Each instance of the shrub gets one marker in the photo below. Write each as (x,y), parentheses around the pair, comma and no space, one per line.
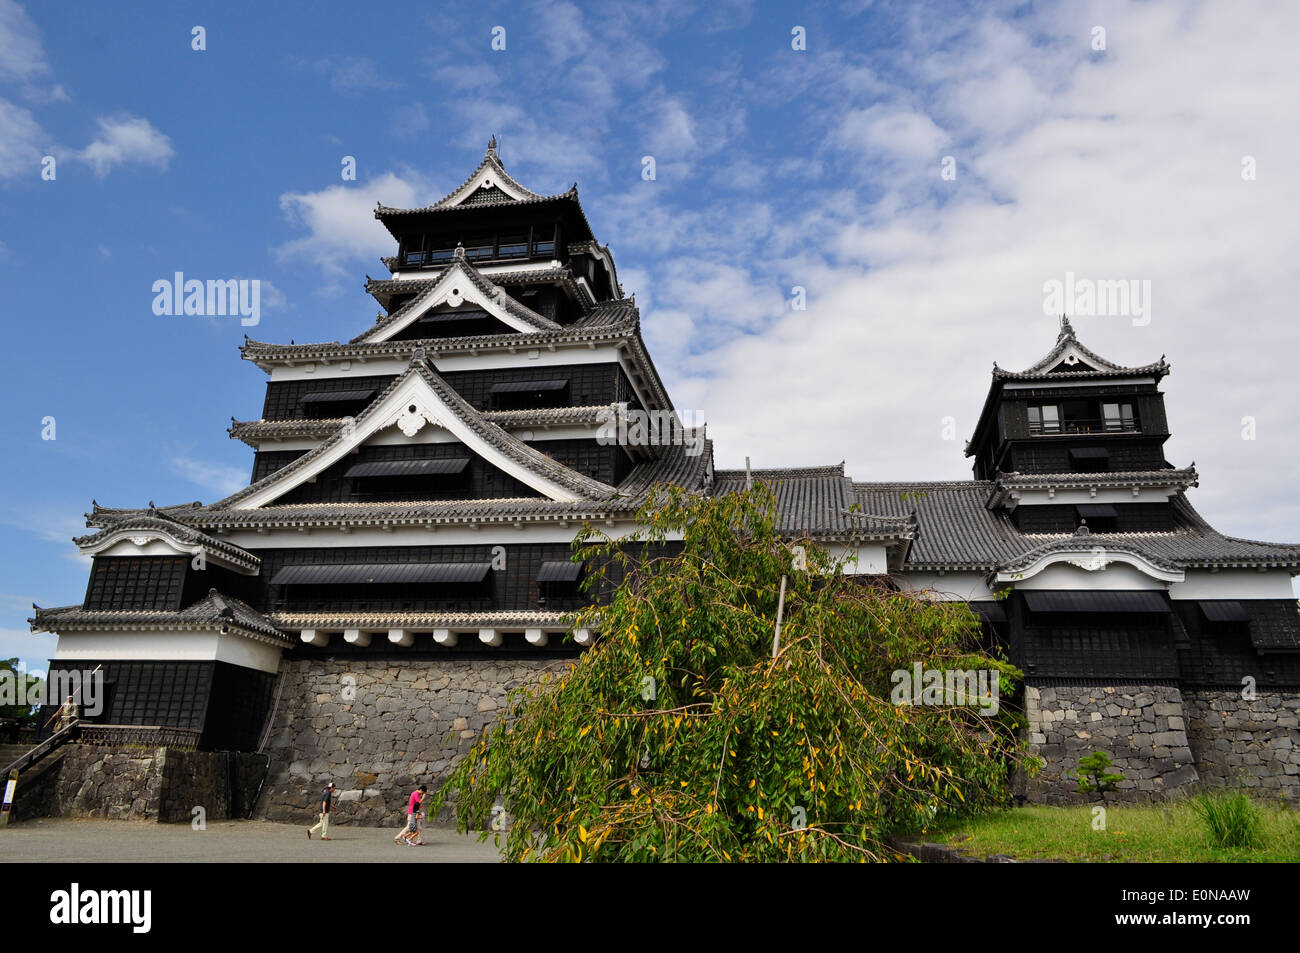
(1095,775)
(678,736)
(1231,818)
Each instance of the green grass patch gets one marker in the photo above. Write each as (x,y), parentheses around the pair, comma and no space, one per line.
(1176,831)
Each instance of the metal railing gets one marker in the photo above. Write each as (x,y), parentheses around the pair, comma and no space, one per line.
(52,743)
(1088,425)
(155,736)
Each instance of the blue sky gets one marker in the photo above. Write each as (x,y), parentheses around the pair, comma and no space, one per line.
(775,167)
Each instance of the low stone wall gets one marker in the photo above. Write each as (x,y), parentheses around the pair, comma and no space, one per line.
(111,782)
(1252,744)
(378,729)
(1142,727)
(163,784)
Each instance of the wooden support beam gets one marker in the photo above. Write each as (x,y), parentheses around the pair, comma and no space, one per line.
(489,637)
(356,637)
(401,637)
(313,637)
(445,637)
(536,637)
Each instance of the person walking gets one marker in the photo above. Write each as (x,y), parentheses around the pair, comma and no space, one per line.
(413,814)
(323,825)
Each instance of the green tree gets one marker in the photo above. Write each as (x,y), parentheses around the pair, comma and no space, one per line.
(24,715)
(1095,775)
(679,737)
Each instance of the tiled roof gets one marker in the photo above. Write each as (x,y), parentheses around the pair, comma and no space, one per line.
(673,464)
(456,200)
(382,289)
(1065,342)
(152,521)
(819,502)
(957,531)
(528,316)
(612,321)
(253,432)
(499,619)
(490,159)
(1184,477)
(510,446)
(1007,483)
(1135,543)
(211,612)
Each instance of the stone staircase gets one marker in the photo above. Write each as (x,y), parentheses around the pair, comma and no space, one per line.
(11,753)
(34,795)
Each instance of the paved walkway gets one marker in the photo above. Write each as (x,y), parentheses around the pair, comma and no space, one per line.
(77,840)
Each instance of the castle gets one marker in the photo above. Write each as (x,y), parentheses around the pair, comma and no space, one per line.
(401,559)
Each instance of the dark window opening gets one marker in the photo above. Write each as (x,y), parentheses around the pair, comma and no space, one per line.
(435,251)
(1089,459)
(1098,517)
(513,246)
(1081,416)
(480,248)
(527,395)
(325,405)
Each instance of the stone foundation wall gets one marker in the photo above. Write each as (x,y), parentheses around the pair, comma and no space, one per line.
(1142,728)
(378,729)
(163,784)
(1251,744)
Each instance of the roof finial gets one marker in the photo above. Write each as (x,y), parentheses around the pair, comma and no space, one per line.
(459,253)
(492,143)
(1066,329)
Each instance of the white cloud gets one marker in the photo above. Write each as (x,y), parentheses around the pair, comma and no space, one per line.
(22,143)
(216,477)
(350,74)
(22,57)
(891,132)
(34,648)
(1124,165)
(124,139)
(341,228)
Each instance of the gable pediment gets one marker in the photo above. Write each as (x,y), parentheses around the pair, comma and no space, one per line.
(417,400)
(461,287)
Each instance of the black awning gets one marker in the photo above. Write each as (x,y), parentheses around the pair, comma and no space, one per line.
(559,571)
(378,574)
(1224,611)
(404,468)
(1090,510)
(332,396)
(991,612)
(1089,453)
(438,317)
(1089,600)
(509,387)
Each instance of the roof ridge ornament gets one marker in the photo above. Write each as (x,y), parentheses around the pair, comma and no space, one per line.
(492,145)
(1067,330)
(459,253)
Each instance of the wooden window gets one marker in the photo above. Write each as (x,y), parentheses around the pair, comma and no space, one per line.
(513,246)
(1118,417)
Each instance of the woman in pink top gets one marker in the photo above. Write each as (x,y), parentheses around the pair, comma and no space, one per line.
(413,815)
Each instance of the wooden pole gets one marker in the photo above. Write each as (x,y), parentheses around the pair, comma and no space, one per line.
(780,610)
(10,787)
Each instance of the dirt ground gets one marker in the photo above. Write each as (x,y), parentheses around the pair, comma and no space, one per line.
(91,840)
